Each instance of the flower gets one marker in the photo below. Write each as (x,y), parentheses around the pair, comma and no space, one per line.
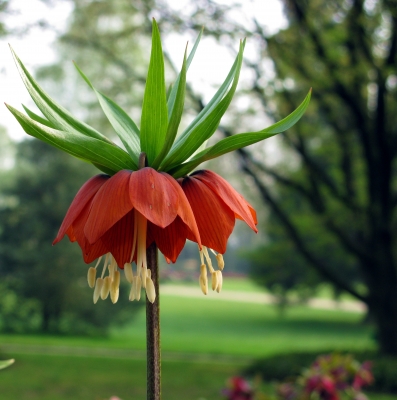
(216,205)
(121,216)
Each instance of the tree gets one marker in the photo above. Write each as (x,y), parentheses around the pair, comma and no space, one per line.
(345,147)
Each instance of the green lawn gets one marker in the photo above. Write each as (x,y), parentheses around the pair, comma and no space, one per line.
(205,325)
(195,326)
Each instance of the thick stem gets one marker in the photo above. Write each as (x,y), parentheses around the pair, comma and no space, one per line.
(153,330)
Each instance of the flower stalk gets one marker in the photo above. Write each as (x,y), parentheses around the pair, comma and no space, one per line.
(153,330)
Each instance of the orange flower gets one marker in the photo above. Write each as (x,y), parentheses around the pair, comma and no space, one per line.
(215,205)
(120,216)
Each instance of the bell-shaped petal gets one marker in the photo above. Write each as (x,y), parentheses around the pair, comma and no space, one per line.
(171,239)
(83,196)
(76,233)
(110,204)
(230,196)
(214,218)
(184,210)
(154,196)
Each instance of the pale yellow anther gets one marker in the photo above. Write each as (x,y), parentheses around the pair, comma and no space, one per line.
(131,297)
(105,288)
(221,262)
(98,288)
(150,290)
(114,287)
(128,272)
(138,286)
(214,280)
(203,283)
(143,277)
(203,270)
(149,273)
(91,277)
(220,281)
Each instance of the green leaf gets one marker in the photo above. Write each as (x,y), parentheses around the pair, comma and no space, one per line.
(206,124)
(6,363)
(38,118)
(241,140)
(175,117)
(86,148)
(58,116)
(175,87)
(154,118)
(124,126)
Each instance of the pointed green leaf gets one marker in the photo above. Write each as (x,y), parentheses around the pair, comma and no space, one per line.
(124,126)
(154,118)
(205,127)
(86,148)
(6,363)
(38,118)
(56,114)
(175,117)
(174,89)
(241,140)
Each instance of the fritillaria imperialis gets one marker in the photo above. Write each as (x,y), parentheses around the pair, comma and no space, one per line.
(145,195)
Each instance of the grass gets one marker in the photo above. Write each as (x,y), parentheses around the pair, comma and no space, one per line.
(189,325)
(79,378)
(204,325)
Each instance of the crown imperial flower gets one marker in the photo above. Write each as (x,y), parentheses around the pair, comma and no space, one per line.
(146,195)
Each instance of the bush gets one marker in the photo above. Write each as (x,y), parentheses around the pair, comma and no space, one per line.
(285,366)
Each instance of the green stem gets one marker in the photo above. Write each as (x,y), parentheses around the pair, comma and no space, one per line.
(153,330)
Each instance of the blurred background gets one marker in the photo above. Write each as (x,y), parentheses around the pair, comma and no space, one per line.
(320,276)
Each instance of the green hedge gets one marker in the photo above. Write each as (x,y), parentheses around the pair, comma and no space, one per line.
(285,366)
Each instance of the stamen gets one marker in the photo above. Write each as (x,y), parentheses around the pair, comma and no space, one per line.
(105,264)
(91,275)
(214,280)
(201,255)
(221,262)
(138,285)
(97,263)
(98,288)
(128,272)
(114,287)
(203,279)
(208,259)
(150,290)
(132,296)
(112,267)
(105,288)
(220,281)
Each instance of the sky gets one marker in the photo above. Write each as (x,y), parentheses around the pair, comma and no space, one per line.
(38,48)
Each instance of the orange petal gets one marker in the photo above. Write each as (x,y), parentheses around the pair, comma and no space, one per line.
(215,220)
(109,205)
(230,196)
(119,239)
(154,196)
(184,209)
(171,239)
(83,196)
(76,233)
